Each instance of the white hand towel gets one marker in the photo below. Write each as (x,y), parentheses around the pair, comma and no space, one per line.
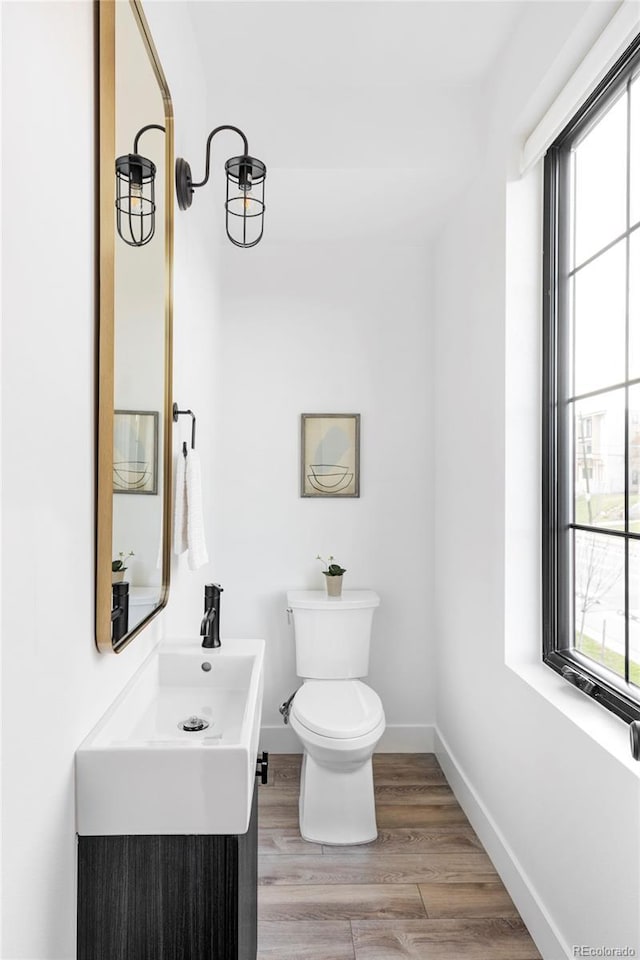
(197,547)
(180,541)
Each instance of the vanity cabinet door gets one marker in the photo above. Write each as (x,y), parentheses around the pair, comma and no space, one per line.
(168,897)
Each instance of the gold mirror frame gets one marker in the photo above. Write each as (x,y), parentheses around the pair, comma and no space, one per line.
(106,21)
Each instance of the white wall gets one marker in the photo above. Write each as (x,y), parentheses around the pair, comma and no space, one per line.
(545,775)
(327,328)
(55,684)
(197,315)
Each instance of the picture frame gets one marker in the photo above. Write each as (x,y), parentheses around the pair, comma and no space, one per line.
(330,455)
(135,452)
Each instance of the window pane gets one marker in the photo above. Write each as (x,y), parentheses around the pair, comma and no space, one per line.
(634,612)
(599,463)
(599,335)
(599,599)
(601,183)
(634,305)
(635,150)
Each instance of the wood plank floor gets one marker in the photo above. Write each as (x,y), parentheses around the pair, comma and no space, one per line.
(424,890)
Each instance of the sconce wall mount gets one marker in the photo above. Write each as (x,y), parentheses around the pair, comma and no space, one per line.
(135,192)
(244,204)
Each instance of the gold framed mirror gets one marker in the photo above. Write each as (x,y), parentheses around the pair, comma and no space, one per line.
(133,507)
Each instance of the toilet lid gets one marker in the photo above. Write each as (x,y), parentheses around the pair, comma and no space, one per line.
(340,709)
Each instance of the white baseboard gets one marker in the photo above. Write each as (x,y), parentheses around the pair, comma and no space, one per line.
(403,738)
(397,738)
(531,908)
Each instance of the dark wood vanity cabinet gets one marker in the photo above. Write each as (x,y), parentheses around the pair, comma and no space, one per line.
(168,897)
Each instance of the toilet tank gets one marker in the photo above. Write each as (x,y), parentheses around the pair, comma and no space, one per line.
(332,634)
(142,602)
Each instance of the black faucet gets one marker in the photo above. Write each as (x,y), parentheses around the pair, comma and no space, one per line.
(210,626)
(120,610)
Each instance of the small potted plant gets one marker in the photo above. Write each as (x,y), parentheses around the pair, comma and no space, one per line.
(119,566)
(333,575)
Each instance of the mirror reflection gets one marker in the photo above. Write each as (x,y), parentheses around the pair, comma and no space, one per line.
(136,491)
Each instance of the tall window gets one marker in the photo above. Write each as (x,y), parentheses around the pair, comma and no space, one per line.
(591,442)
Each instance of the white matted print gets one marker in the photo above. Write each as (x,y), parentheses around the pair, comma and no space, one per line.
(330,455)
(135,451)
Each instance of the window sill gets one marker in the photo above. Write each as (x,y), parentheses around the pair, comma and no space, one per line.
(600,725)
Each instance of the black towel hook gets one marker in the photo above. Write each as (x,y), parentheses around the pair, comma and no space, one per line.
(179,413)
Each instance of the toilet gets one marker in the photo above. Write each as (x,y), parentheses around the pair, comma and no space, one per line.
(338,718)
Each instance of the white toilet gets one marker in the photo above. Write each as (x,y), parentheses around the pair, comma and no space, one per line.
(338,718)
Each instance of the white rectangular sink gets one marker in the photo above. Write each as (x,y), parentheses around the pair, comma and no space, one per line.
(139,772)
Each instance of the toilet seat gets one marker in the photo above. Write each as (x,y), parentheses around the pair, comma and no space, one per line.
(338,709)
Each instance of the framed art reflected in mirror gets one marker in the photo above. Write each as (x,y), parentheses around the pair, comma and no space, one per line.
(135,452)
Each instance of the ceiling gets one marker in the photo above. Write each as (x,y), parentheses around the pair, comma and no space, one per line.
(369,115)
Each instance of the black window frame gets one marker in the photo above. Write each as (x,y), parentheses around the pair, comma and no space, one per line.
(557,586)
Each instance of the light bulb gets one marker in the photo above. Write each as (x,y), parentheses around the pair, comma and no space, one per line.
(136,197)
(245,187)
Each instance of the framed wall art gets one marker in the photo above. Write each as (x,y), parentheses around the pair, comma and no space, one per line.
(135,451)
(330,455)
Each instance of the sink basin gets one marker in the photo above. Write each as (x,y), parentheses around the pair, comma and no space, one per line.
(140,772)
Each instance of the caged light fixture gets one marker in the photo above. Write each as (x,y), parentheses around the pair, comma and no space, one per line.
(244,203)
(135,194)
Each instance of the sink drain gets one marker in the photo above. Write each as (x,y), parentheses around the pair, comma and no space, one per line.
(193,724)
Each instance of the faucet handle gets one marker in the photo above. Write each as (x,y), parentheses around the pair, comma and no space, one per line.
(211,592)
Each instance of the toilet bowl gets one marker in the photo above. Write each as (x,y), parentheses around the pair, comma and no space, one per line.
(339,723)
(338,718)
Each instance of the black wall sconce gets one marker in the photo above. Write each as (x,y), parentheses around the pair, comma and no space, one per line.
(135,194)
(245,191)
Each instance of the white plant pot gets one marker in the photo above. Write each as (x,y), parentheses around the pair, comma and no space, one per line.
(334,586)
